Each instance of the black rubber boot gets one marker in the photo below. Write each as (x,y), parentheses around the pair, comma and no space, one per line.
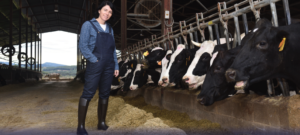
(82,109)
(102,109)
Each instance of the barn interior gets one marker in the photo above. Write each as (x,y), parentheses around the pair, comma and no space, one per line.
(38,106)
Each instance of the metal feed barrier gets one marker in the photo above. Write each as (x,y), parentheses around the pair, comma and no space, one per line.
(166,41)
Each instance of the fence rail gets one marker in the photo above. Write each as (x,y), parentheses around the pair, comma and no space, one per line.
(187,29)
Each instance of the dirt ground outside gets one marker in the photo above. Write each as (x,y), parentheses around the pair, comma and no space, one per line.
(49,107)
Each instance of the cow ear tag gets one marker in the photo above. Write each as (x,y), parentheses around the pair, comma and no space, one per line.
(159,63)
(146,53)
(132,65)
(281,45)
(119,79)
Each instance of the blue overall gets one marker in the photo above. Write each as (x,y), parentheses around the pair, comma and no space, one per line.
(100,73)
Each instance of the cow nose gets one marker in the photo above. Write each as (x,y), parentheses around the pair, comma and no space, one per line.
(131,88)
(164,80)
(230,75)
(186,80)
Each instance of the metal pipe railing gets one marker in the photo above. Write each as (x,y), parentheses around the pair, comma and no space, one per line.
(225,17)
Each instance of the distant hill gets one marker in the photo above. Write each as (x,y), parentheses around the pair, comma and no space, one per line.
(49,64)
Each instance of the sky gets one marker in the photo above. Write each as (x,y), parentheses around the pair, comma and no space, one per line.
(57,47)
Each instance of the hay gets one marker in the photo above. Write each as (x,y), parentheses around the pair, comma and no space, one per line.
(174,118)
(156,126)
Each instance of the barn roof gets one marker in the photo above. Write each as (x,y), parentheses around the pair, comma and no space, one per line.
(42,18)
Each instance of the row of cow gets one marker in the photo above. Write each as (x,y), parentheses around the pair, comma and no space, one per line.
(266,52)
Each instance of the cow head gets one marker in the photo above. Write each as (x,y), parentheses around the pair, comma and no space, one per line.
(155,56)
(179,63)
(195,74)
(166,76)
(126,68)
(164,63)
(139,77)
(127,82)
(215,87)
(260,57)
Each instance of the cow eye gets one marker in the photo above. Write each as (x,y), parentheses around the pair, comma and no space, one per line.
(218,69)
(262,45)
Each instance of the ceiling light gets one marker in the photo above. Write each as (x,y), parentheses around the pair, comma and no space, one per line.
(56,8)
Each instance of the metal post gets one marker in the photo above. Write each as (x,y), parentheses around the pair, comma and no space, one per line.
(287,12)
(180,40)
(217,33)
(211,36)
(41,54)
(237,27)
(196,36)
(224,22)
(35,59)
(123,24)
(26,48)
(10,37)
(274,14)
(20,29)
(38,56)
(31,45)
(191,38)
(245,21)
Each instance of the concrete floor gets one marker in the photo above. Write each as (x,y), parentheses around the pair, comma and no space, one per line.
(43,107)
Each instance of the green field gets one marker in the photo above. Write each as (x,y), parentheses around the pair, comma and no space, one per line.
(64,71)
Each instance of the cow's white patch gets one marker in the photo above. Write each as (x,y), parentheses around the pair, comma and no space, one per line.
(128,71)
(194,80)
(213,58)
(113,87)
(156,48)
(164,64)
(222,41)
(179,49)
(158,70)
(255,29)
(149,80)
(119,60)
(135,86)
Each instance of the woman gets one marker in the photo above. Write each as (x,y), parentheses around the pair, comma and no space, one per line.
(98,47)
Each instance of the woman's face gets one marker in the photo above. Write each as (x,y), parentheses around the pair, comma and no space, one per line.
(105,13)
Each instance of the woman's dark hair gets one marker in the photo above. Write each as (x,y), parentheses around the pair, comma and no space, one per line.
(104,3)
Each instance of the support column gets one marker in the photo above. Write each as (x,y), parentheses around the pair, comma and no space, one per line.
(41,54)
(10,37)
(31,45)
(35,59)
(38,56)
(167,6)
(26,48)
(123,24)
(20,29)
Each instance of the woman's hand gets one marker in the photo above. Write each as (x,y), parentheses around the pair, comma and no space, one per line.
(116,73)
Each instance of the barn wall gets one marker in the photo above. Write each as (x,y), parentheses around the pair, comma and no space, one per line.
(239,113)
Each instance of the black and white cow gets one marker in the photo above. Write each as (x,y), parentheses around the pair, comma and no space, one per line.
(127,67)
(178,65)
(195,74)
(117,82)
(127,82)
(271,53)
(154,57)
(164,64)
(144,76)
